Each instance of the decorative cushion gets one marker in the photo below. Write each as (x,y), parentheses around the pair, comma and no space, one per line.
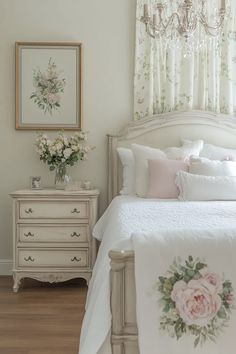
(162,174)
(184,152)
(127,159)
(195,187)
(206,167)
(142,154)
(214,152)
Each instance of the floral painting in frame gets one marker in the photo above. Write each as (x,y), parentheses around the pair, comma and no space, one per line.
(48,86)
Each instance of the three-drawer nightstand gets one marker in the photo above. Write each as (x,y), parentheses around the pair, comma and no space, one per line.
(52,234)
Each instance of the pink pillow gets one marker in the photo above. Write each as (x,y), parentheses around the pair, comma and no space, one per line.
(162,174)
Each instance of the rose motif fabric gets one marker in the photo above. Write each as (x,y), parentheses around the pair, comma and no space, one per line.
(185,289)
(195,300)
(166,80)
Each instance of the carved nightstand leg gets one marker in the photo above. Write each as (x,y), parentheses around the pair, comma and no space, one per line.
(88,278)
(17,281)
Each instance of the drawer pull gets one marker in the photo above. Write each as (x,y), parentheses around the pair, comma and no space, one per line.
(29,259)
(75,259)
(75,211)
(29,211)
(29,234)
(74,234)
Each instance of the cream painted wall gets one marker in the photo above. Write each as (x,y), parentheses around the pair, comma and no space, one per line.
(106,29)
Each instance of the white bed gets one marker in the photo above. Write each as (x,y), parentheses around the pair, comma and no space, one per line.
(111,326)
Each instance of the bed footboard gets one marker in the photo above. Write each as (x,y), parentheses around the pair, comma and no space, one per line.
(124,333)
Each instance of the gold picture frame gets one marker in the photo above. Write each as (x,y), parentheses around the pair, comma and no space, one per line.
(48,86)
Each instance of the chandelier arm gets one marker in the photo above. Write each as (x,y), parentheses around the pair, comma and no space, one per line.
(183,23)
(149,32)
(171,19)
(209,28)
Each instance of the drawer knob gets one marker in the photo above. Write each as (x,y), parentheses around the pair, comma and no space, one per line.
(74,234)
(75,259)
(29,234)
(29,211)
(29,259)
(75,211)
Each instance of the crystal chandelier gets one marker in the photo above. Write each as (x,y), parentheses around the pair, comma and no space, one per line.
(188,24)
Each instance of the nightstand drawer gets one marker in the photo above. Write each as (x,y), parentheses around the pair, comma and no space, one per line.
(53,210)
(53,233)
(35,258)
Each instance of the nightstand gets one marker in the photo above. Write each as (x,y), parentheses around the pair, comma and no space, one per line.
(52,234)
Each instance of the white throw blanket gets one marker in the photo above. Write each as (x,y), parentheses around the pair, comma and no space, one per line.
(185,282)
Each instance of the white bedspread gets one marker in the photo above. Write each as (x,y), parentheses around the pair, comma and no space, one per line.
(185,283)
(128,215)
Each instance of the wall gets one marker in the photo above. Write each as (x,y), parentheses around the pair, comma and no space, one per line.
(106,29)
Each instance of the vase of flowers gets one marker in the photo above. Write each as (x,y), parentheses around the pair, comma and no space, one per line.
(62,152)
(61,177)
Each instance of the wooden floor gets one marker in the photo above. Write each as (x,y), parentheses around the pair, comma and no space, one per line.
(41,318)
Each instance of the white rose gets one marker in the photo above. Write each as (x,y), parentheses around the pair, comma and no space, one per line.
(59,146)
(67,153)
(65,140)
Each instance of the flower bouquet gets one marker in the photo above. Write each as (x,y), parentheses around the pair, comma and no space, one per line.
(62,152)
(195,301)
(48,88)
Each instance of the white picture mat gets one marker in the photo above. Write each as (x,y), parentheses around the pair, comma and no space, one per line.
(38,57)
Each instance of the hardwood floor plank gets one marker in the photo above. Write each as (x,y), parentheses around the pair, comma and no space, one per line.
(41,318)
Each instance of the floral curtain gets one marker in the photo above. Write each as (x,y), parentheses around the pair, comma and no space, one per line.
(166,80)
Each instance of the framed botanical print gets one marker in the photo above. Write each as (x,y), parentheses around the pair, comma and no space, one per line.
(48,86)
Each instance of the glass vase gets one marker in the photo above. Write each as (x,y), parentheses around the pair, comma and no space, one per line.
(61,177)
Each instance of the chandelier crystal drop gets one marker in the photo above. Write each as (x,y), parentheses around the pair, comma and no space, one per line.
(189,26)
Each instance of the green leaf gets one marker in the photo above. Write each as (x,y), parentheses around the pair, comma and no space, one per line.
(196,342)
(178,328)
(200,265)
(52,168)
(222,313)
(166,308)
(162,279)
(186,278)
(190,273)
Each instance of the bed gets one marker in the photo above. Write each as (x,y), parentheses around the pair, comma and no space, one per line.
(116,330)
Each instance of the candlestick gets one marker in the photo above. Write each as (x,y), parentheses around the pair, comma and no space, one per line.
(223,4)
(146,10)
(154,20)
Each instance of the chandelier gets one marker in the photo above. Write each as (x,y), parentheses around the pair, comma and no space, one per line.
(188,23)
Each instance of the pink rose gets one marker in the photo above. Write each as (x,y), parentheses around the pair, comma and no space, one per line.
(230,299)
(53,98)
(214,281)
(195,303)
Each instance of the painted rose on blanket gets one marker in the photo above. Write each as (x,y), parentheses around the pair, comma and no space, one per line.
(194,301)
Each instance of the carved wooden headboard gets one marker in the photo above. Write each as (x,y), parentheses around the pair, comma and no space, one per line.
(166,130)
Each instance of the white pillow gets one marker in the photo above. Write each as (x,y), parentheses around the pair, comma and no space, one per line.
(142,154)
(213,152)
(195,187)
(206,167)
(127,159)
(187,149)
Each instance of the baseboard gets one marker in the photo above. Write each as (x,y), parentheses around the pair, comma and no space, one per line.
(5,267)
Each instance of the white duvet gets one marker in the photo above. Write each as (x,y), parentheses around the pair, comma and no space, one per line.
(129,215)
